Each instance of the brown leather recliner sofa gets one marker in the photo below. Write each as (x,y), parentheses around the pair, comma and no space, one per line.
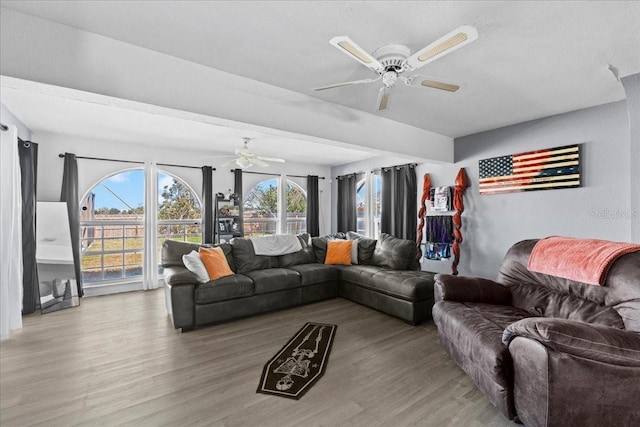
(545,350)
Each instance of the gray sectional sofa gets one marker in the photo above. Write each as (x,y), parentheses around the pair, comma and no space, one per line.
(386,278)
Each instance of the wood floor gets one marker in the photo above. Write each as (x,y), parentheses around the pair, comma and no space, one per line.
(116,360)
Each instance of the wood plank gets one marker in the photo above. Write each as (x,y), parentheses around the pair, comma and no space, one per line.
(117,360)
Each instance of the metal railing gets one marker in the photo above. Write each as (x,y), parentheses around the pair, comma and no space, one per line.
(254,227)
(113,250)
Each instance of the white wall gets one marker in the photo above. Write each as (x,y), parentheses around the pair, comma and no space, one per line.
(8,118)
(90,172)
(43,51)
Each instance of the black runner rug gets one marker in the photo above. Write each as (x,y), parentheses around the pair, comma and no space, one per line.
(300,363)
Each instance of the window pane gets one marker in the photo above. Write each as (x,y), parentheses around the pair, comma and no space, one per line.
(376,183)
(361,203)
(175,199)
(296,209)
(261,209)
(179,213)
(112,228)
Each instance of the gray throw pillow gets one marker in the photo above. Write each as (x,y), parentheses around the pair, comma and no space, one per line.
(391,252)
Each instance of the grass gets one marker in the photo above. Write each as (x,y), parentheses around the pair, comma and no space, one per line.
(92,257)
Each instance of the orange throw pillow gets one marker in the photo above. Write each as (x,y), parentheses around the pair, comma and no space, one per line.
(339,252)
(215,262)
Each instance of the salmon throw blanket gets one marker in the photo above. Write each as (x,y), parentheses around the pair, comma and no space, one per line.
(582,260)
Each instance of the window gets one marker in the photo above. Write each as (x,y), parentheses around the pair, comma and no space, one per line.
(368,206)
(112,218)
(179,213)
(262,214)
(112,228)
(376,205)
(361,206)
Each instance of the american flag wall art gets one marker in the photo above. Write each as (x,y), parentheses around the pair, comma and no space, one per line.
(546,169)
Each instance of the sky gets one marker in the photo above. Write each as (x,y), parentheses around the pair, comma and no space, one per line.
(129,186)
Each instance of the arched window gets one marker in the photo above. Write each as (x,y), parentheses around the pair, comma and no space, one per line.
(262,214)
(112,228)
(179,210)
(112,216)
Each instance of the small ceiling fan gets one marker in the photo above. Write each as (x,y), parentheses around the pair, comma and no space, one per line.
(392,61)
(246,158)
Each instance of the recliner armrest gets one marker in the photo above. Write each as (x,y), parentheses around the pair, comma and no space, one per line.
(585,340)
(470,289)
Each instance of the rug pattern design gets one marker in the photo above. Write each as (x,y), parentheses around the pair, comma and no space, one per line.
(300,363)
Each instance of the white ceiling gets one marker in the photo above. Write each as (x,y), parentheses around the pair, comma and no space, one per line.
(532,59)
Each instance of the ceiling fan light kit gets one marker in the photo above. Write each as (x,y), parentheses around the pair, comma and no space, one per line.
(246,158)
(391,61)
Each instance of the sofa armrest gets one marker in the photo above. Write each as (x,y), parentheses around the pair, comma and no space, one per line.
(176,276)
(594,342)
(181,284)
(470,289)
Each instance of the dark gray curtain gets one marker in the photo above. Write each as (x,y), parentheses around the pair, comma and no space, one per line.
(313,206)
(207,205)
(69,194)
(347,220)
(237,189)
(399,213)
(28,152)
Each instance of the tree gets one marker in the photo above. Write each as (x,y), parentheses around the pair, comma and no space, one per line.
(296,200)
(263,200)
(178,202)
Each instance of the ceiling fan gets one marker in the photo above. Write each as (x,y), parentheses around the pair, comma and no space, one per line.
(392,61)
(246,158)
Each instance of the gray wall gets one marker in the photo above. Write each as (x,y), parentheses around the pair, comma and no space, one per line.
(605,207)
(600,209)
(632,88)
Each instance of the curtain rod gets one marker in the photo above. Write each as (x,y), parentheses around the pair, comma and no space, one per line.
(411,165)
(275,174)
(4,127)
(132,161)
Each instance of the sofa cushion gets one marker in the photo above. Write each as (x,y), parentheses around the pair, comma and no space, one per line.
(274,279)
(215,262)
(303,256)
(311,274)
(225,288)
(410,285)
(471,333)
(320,247)
(172,252)
(359,274)
(246,259)
(393,253)
(550,296)
(338,252)
(194,264)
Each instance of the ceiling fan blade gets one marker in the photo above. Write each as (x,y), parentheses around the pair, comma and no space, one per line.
(257,161)
(449,87)
(349,47)
(229,163)
(459,37)
(384,98)
(270,159)
(355,82)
